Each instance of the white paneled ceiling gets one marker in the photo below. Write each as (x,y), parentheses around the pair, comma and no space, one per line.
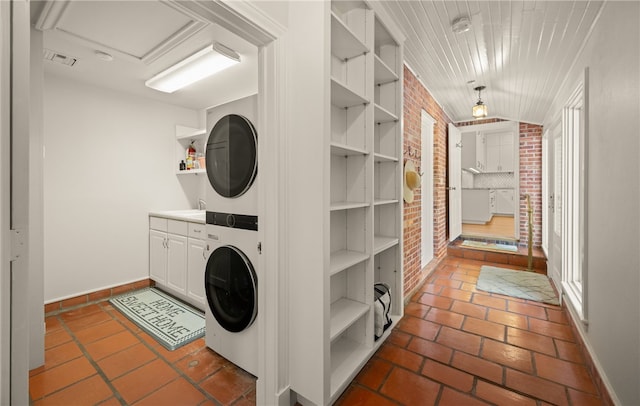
(520,50)
(144,38)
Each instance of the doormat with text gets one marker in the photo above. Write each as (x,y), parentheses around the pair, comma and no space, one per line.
(169,321)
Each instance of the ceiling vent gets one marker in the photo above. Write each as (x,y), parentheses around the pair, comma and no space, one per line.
(53,56)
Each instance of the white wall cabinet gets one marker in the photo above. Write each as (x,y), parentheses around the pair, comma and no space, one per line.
(500,152)
(177,258)
(363,215)
(474,151)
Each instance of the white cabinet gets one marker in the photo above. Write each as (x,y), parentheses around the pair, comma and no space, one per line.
(505,201)
(474,151)
(476,206)
(196,264)
(500,152)
(363,215)
(177,258)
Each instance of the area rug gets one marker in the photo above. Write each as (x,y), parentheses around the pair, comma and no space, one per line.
(169,321)
(489,246)
(521,284)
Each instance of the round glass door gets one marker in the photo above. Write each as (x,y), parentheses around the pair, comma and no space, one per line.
(231,288)
(231,155)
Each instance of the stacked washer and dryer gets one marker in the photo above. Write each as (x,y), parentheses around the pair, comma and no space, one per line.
(231,276)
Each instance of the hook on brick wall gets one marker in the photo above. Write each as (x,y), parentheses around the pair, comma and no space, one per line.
(413,153)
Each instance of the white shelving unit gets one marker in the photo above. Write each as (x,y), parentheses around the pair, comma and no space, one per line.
(364,213)
(184,137)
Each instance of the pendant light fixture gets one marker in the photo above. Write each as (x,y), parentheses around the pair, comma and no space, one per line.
(479,109)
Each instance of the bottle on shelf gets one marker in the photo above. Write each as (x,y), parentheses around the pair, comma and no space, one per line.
(183,165)
(191,155)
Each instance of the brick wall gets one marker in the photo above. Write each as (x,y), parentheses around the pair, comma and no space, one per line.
(416,99)
(530,176)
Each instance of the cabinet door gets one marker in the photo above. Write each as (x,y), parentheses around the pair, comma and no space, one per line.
(506,158)
(196,264)
(158,256)
(481,152)
(504,201)
(493,158)
(177,262)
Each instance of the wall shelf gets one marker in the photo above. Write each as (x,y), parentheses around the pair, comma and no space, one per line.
(344,43)
(342,96)
(341,260)
(380,202)
(345,150)
(191,172)
(382,115)
(382,73)
(344,312)
(382,243)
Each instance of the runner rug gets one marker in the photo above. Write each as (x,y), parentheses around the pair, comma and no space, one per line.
(521,284)
(169,321)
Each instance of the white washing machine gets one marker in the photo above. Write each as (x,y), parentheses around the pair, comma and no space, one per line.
(232,157)
(231,286)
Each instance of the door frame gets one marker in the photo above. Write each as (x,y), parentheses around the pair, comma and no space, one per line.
(426,168)
(455,181)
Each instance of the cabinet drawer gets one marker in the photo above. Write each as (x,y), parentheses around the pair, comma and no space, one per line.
(158,223)
(197,230)
(178,227)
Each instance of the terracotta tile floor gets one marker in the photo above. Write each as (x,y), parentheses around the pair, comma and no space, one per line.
(455,346)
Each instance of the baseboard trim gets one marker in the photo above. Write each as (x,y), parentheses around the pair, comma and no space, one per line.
(94,297)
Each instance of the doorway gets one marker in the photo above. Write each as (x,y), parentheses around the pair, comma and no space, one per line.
(490,181)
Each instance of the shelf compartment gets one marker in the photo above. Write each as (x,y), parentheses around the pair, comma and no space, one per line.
(382,73)
(345,312)
(384,158)
(382,115)
(382,243)
(348,181)
(344,43)
(386,180)
(386,136)
(347,358)
(343,259)
(387,269)
(342,96)
(346,150)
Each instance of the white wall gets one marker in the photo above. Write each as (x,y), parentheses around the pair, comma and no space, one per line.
(109,160)
(612,56)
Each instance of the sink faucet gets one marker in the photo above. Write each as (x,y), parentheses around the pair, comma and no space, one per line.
(202,205)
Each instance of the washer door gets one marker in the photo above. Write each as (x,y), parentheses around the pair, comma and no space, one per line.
(231,155)
(232,288)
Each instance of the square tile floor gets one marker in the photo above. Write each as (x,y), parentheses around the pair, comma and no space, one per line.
(455,346)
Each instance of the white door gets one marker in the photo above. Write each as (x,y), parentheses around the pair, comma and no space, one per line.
(177,263)
(14,202)
(426,167)
(196,264)
(555,201)
(455,182)
(158,256)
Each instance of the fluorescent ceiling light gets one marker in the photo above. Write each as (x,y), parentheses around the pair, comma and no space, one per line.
(204,63)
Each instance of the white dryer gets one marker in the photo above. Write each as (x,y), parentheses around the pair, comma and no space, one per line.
(231,286)
(232,157)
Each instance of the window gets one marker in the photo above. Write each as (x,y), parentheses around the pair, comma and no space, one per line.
(574,268)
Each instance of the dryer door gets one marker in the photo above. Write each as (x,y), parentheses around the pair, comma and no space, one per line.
(231,156)
(232,288)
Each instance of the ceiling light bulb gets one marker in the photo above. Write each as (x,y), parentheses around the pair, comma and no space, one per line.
(204,63)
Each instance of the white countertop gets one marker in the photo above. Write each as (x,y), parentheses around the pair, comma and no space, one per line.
(192,216)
